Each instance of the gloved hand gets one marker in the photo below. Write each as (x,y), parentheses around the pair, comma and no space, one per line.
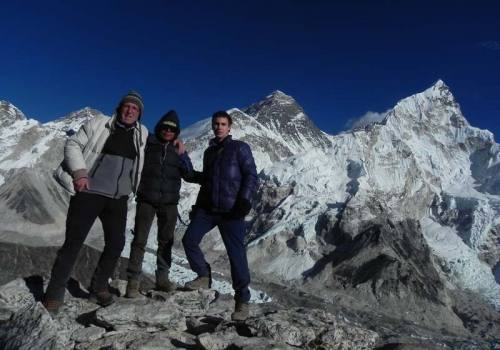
(241,208)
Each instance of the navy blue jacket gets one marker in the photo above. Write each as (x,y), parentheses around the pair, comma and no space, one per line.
(228,173)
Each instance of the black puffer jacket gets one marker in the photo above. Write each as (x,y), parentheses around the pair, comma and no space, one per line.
(162,172)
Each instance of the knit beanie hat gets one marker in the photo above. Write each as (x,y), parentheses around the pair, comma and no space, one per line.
(133,97)
(170,119)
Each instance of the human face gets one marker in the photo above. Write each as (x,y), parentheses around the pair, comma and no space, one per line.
(129,113)
(221,128)
(167,133)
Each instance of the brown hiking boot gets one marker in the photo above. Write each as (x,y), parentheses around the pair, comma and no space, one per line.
(52,306)
(133,289)
(165,285)
(102,297)
(200,282)
(241,311)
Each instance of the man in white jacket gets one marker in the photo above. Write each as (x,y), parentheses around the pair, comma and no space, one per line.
(101,168)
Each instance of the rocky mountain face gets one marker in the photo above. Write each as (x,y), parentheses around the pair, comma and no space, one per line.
(395,225)
(281,114)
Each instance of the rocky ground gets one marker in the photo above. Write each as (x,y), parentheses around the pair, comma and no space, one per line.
(195,320)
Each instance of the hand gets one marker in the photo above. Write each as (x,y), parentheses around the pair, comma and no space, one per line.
(81,184)
(179,146)
(241,208)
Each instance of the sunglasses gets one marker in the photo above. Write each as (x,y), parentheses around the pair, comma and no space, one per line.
(169,128)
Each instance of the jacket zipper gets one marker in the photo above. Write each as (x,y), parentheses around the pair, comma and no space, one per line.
(97,165)
(138,143)
(119,177)
(163,153)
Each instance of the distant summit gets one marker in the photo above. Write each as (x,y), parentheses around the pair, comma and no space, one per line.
(280,113)
(10,113)
(72,122)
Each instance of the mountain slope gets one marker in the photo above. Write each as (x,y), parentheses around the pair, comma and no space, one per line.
(402,215)
(418,164)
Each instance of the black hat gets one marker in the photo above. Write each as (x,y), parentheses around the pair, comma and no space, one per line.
(169,119)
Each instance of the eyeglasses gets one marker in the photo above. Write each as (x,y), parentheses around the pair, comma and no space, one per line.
(169,128)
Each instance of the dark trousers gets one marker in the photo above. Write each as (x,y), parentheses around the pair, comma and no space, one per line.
(166,219)
(83,210)
(233,236)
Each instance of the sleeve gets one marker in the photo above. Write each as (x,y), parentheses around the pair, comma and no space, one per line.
(73,150)
(187,171)
(185,163)
(248,173)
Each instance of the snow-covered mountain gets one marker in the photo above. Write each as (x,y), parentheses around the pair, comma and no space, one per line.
(280,113)
(399,213)
(29,153)
(424,162)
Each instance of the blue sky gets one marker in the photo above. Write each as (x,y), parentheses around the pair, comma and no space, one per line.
(338,59)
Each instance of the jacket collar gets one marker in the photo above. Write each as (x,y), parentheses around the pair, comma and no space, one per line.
(114,122)
(154,139)
(214,142)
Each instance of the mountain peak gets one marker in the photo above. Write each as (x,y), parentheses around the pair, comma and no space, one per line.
(276,103)
(280,113)
(439,91)
(433,111)
(84,113)
(74,120)
(10,113)
(280,97)
(439,84)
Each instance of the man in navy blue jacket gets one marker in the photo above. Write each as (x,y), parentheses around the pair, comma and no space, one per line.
(228,183)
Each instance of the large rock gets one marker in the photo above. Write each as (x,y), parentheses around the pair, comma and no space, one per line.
(32,328)
(311,328)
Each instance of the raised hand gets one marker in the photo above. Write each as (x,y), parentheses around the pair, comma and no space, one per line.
(179,146)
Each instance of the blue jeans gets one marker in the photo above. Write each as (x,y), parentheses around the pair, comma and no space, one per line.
(233,236)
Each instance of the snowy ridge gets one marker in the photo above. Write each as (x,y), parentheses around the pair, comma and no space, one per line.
(10,113)
(422,162)
(73,121)
(419,155)
(24,142)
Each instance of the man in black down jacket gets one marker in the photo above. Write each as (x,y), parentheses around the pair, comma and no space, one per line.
(228,183)
(158,194)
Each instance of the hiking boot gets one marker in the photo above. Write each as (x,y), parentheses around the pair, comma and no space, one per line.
(165,285)
(241,311)
(200,282)
(103,297)
(133,289)
(52,306)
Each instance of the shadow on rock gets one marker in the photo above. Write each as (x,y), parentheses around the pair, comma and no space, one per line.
(76,290)
(181,345)
(90,318)
(208,324)
(35,286)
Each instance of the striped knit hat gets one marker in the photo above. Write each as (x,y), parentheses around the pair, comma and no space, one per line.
(133,97)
